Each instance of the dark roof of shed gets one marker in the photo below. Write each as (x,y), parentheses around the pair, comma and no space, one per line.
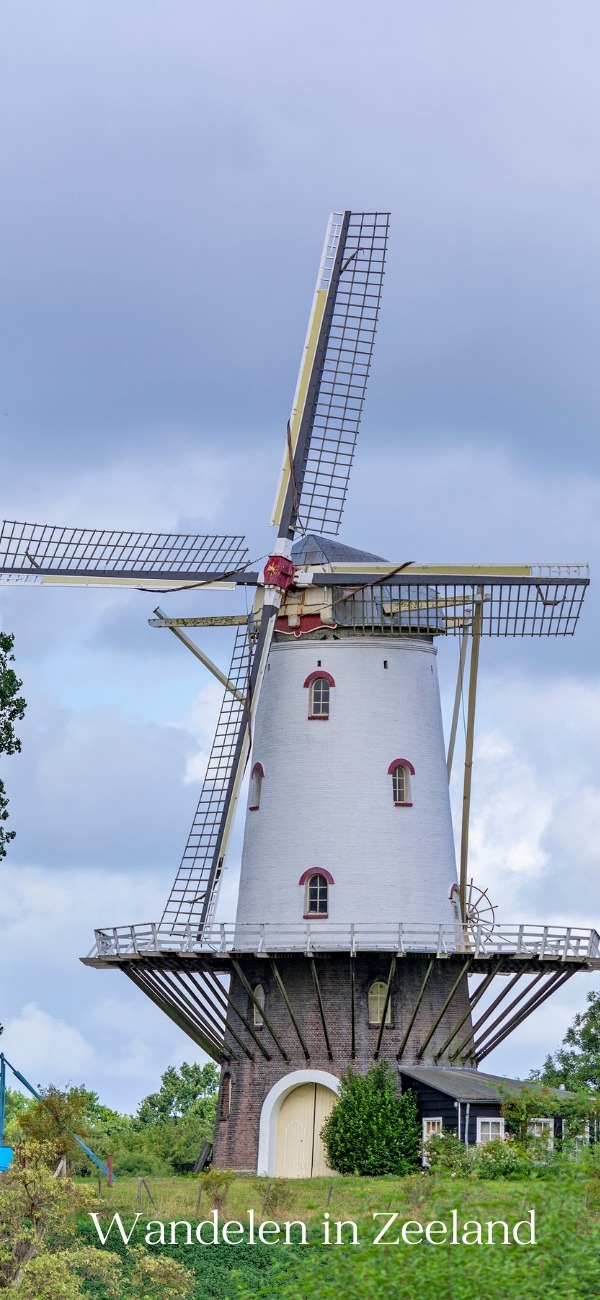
(467,1085)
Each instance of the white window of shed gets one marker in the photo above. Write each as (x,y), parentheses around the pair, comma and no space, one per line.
(488,1130)
(377,1000)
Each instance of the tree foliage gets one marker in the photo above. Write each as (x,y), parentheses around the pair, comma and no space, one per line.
(54,1119)
(12,709)
(191,1089)
(371,1129)
(576,1064)
(39,1254)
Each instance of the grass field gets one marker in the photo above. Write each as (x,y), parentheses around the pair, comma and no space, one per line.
(564,1264)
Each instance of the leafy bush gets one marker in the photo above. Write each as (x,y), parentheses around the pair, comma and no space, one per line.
(372,1130)
(447,1154)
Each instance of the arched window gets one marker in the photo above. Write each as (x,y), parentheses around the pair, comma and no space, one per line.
(256,781)
(401,770)
(319,686)
(377,996)
(316,893)
(259,994)
(226,1096)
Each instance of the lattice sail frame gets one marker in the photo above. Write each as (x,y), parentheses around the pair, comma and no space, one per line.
(46,552)
(335,366)
(195,890)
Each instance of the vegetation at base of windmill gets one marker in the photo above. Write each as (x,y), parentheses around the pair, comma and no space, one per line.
(34,1208)
(576,1064)
(215,1186)
(41,1257)
(577,1111)
(12,709)
(563,1265)
(371,1129)
(54,1119)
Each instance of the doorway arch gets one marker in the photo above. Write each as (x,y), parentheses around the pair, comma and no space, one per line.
(296,1148)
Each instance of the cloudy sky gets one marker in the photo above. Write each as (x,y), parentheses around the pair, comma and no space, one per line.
(168,167)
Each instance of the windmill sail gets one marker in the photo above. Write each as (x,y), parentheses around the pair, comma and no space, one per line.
(333,375)
(195,888)
(45,553)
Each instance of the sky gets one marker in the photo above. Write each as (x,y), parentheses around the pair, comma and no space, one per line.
(168,169)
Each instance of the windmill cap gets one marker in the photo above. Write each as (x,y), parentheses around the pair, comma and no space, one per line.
(324,550)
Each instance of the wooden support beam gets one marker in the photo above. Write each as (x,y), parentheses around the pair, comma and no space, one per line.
(234,1007)
(464,642)
(214,1013)
(182,1022)
(492,1007)
(385,1006)
(160,981)
(322,1009)
(556,980)
(444,1007)
(282,990)
(472,700)
(250,991)
(479,992)
(204,658)
(353,1005)
(506,1011)
(208,620)
(406,1034)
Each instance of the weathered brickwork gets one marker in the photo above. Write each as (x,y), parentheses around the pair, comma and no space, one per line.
(236,1136)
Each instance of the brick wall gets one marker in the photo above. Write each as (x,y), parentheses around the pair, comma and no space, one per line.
(236,1137)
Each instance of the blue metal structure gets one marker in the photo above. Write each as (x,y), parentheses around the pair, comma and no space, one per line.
(4,1160)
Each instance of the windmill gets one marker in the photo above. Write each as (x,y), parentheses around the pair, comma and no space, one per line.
(355,936)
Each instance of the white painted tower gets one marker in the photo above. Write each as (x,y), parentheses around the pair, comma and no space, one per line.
(324,794)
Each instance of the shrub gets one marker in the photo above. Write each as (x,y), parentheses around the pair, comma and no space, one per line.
(372,1130)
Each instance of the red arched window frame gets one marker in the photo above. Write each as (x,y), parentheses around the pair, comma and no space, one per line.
(256,780)
(407,768)
(305,880)
(318,710)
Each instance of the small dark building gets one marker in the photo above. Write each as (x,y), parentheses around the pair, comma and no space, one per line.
(467,1103)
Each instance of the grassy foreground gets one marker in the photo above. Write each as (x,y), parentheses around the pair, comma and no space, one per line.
(563,1265)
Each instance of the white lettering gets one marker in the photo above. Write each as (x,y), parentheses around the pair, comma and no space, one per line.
(412,1227)
(526,1223)
(115,1219)
(326,1227)
(471,1229)
(236,1227)
(251,1241)
(437,1227)
(157,1232)
(497,1223)
(271,1229)
(215,1227)
(378,1214)
(181,1223)
(345,1223)
(295,1223)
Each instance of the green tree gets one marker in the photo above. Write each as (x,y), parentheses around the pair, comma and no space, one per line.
(174,1122)
(39,1252)
(576,1064)
(190,1088)
(54,1119)
(372,1130)
(12,709)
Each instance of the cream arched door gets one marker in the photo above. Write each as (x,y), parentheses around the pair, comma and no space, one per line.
(300,1151)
